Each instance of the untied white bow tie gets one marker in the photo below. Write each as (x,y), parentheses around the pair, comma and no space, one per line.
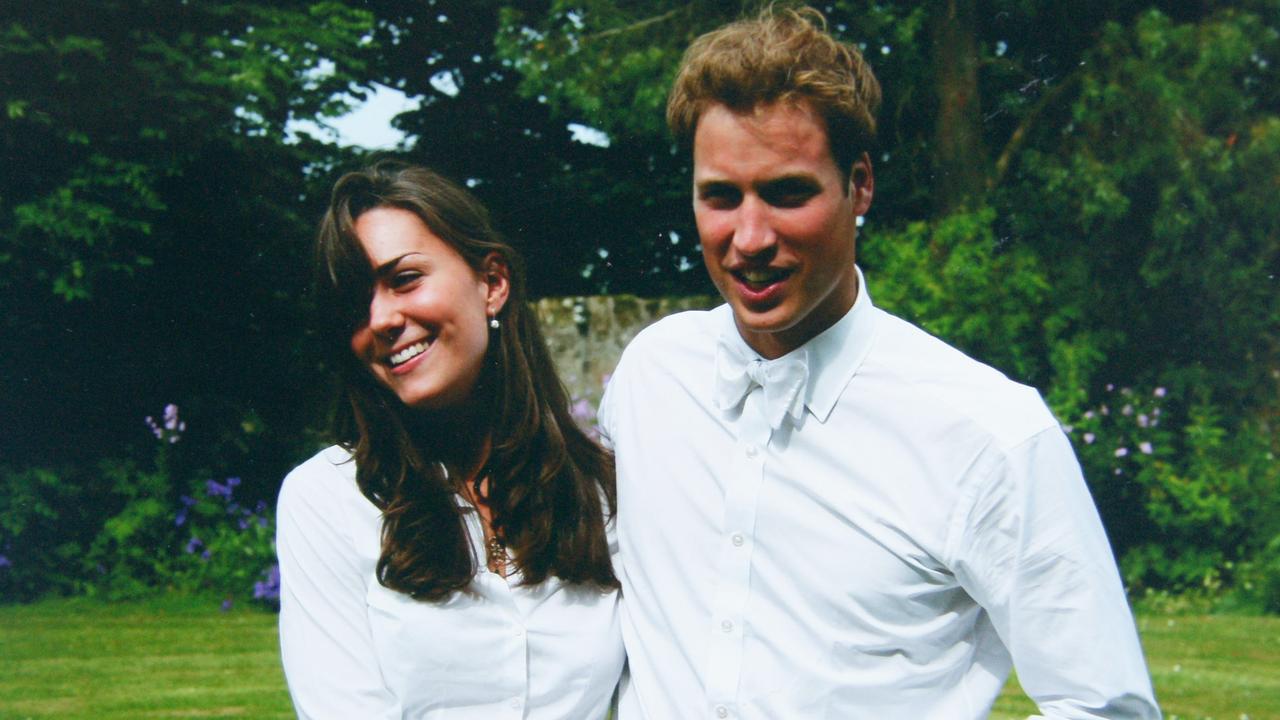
(782,381)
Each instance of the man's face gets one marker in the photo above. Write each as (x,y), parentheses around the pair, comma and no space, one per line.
(777,221)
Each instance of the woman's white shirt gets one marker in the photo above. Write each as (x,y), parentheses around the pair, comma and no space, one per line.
(354,649)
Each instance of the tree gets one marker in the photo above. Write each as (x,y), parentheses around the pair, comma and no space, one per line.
(152,215)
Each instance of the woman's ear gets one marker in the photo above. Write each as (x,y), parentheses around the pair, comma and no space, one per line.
(497,279)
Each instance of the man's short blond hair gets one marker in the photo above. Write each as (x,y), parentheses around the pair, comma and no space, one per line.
(781,55)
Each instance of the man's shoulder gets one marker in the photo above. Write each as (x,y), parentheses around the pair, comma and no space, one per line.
(951,382)
(688,332)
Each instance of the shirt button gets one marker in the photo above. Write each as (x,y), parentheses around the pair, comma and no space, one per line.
(726,625)
(752,451)
(722,711)
(738,540)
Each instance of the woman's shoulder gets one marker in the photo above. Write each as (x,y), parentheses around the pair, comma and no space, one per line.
(329,475)
(328,465)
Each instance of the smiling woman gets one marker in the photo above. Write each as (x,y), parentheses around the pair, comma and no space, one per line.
(451,554)
(428,330)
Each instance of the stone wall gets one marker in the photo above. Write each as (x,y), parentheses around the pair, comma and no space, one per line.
(587,334)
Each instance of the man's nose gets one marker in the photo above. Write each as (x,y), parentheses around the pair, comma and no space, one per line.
(753,233)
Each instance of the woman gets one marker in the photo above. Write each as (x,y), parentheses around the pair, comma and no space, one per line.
(448,557)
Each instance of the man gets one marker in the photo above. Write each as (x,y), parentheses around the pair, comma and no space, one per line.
(824,511)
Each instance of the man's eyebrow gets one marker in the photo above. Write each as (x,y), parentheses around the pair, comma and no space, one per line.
(788,180)
(780,180)
(712,183)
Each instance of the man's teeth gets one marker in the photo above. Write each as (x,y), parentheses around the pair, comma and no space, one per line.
(408,353)
(761,277)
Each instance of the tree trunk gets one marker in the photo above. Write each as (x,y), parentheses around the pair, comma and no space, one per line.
(960,160)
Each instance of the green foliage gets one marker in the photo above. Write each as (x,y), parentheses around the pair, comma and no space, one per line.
(1153,201)
(153,208)
(1187,500)
(46,524)
(134,529)
(132,554)
(107,102)
(228,546)
(1267,568)
(959,281)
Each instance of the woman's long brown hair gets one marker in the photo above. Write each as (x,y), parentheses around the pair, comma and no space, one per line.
(550,484)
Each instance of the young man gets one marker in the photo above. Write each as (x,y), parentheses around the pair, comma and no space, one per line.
(824,511)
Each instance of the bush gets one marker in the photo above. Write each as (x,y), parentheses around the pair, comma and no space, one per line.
(229,548)
(130,529)
(1187,499)
(48,518)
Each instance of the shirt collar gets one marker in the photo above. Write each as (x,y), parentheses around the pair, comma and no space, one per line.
(834,355)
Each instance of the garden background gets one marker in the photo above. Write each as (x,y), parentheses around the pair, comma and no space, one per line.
(1082,194)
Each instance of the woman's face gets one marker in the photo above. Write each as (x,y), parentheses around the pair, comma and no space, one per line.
(427,329)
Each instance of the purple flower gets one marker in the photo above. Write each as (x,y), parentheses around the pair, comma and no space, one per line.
(243,523)
(1145,447)
(1127,410)
(1110,387)
(1089,438)
(181,518)
(1121,452)
(213,488)
(1159,392)
(582,411)
(1143,421)
(263,522)
(171,421)
(269,587)
(226,605)
(205,555)
(194,544)
(172,427)
(5,562)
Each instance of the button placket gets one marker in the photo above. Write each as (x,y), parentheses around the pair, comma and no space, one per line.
(733,569)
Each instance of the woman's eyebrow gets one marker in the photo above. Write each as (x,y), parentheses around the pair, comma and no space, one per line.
(385,268)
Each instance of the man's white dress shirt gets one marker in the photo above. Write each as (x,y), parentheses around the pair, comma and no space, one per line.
(887,552)
(354,649)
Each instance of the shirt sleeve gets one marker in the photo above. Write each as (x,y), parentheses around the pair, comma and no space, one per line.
(1031,550)
(604,414)
(325,641)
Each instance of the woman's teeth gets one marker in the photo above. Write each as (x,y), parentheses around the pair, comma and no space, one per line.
(408,353)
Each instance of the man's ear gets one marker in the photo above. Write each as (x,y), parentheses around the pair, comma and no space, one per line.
(862,184)
(497,279)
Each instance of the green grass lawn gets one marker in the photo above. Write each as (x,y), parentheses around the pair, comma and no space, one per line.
(183,658)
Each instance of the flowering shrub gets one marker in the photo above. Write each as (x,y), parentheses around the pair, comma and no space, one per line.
(228,546)
(1185,500)
(193,535)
